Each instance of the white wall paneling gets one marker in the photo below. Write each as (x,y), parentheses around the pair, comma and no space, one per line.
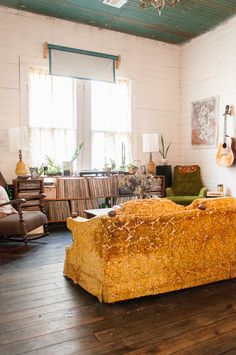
(208,68)
(153,67)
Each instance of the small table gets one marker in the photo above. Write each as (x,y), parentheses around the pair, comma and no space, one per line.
(97,212)
(214,194)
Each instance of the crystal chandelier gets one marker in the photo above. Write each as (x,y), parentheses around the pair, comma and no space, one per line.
(158,4)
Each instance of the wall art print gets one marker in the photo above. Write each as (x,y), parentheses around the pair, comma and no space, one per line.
(205,122)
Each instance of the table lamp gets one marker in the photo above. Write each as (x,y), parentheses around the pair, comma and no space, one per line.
(150,145)
(18,142)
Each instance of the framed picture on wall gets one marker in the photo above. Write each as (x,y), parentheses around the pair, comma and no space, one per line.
(204,122)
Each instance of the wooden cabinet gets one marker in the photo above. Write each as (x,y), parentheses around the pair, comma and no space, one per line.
(166,171)
(27,188)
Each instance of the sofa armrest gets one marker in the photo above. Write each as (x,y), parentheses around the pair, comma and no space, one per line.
(169,191)
(203,192)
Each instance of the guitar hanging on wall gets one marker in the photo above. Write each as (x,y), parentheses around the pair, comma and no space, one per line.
(226,151)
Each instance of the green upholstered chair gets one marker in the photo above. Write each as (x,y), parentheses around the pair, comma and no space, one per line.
(187,185)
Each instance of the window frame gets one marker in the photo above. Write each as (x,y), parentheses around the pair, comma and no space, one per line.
(83,90)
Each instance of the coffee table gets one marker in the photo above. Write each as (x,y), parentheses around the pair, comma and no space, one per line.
(97,212)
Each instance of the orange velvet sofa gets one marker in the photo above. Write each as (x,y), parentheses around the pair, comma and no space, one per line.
(153,246)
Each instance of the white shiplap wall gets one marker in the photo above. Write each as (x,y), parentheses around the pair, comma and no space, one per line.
(208,68)
(152,66)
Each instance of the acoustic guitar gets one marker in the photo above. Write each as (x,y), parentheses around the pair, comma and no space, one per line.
(226,151)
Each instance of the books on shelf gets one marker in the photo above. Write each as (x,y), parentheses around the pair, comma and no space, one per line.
(215,194)
(73,195)
(72,188)
(99,186)
(57,210)
(78,206)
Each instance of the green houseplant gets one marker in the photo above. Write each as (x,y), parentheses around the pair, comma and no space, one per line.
(163,150)
(68,165)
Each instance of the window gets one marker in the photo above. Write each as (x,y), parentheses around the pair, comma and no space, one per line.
(54,119)
(110,123)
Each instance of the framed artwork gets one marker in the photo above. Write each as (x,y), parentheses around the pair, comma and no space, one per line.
(34,173)
(204,119)
(142,169)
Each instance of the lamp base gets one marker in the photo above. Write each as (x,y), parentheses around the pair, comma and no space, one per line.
(21,169)
(151,167)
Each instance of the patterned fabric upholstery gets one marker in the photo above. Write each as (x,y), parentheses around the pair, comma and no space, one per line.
(153,247)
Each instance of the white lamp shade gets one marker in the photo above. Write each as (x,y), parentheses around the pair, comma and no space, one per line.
(150,142)
(18,139)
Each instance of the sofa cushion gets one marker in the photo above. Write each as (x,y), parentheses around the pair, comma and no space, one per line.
(148,207)
(218,202)
(10,225)
(8,209)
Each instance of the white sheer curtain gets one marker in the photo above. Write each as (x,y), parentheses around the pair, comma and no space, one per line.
(110,123)
(52,117)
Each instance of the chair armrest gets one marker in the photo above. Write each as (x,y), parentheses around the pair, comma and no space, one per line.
(203,192)
(16,202)
(169,191)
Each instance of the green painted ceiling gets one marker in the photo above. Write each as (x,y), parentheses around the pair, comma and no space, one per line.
(187,20)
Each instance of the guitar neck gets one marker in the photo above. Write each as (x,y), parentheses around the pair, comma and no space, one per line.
(225,128)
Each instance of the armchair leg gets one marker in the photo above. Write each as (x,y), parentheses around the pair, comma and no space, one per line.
(25,240)
(45,228)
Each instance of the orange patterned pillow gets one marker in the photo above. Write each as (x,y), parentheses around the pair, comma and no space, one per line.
(186,169)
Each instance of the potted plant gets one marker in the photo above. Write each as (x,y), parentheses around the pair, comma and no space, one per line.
(163,150)
(68,165)
(134,166)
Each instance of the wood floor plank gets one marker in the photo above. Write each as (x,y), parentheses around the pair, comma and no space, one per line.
(30,286)
(217,344)
(42,312)
(204,331)
(167,328)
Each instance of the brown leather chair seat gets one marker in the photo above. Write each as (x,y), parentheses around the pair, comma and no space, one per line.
(10,225)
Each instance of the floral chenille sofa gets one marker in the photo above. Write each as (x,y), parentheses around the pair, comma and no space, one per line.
(153,246)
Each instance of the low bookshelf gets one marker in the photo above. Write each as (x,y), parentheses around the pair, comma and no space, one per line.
(67,196)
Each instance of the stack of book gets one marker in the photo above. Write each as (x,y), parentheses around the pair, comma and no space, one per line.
(100,186)
(57,210)
(115,184)
(78,206)
(72,188)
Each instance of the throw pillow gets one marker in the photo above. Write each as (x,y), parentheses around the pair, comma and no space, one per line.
(8,209)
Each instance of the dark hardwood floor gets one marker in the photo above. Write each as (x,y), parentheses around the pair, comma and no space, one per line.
(41,312)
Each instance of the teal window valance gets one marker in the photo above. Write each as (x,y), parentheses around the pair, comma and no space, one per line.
(81,64)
